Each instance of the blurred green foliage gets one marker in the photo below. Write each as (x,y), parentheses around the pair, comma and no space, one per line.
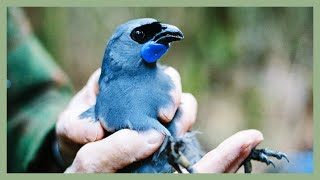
(218,39)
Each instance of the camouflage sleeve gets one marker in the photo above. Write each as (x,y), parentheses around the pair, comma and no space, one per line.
(39,91)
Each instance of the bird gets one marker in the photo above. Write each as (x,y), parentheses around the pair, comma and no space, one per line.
(133,88)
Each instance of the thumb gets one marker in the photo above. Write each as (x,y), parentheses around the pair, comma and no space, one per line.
(116,151)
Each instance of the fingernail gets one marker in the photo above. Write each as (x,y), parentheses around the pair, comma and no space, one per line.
(153,137)
(167,114)
(92,131)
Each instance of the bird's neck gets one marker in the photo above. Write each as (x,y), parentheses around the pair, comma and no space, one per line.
(115,66)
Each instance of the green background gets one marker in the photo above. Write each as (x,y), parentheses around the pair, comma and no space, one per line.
(314,4)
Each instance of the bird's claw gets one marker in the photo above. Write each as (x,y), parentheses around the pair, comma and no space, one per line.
(276,154)
(262,155)
(176,157)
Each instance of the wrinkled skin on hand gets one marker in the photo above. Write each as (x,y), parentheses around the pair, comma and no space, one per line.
(78,139)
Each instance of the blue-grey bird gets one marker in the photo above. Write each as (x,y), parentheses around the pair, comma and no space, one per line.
(133,87)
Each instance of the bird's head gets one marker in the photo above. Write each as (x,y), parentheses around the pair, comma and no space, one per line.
(140,41)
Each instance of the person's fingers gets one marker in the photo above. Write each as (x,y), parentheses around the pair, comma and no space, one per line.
(93,86)
(188,113)
(116,151)
(166,114)
(72,131)
(229,155)
(76,130)
(70,126)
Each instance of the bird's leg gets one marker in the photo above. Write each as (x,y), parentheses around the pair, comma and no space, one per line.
(247,166)
(176,157)
(262,155)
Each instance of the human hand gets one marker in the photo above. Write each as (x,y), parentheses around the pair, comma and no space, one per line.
(79,137)
(73,132)
(230,154)
(126,146)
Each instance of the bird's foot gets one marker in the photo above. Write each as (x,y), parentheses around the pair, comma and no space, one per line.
(176,157)
(262,155)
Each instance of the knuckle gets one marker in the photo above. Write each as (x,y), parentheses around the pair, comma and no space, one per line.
(62,125)
(65,130)
(188,97)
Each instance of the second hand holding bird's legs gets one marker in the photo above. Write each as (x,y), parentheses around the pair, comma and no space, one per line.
(262,155)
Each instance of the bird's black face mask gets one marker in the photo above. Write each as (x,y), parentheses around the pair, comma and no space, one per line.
(156,38)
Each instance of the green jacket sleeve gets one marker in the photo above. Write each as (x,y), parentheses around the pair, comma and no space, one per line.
(39,91)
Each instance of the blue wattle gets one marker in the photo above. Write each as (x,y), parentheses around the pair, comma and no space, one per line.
(152,51)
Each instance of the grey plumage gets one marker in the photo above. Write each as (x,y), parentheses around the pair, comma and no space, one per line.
(132,90)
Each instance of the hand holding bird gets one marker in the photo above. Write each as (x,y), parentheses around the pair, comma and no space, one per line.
(80,138)
(136,93)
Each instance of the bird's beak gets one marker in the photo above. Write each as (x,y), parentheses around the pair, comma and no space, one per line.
(168,34)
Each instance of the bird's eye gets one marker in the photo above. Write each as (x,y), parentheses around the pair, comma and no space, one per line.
(137,35)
